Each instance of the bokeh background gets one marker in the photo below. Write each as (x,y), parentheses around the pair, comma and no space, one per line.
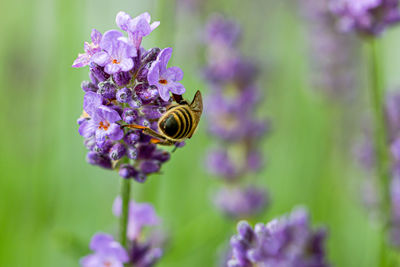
(52,201)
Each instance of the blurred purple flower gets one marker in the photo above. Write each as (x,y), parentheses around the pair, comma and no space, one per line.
(333,55)
(392,110)
(371,194)
(137,28)
(166,80)
(107,252)
(117,54)
(219,163)
(140,215)
(241,202)
(395,205)
(90,49)
(231,114)
(222,30)
(370,17)
(288,242)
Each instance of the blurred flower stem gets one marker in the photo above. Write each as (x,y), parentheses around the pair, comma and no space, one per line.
(380,147)
(377,102)
(125,194)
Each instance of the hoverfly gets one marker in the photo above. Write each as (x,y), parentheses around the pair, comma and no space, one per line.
(178,123)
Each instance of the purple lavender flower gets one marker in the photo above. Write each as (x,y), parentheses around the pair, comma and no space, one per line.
(140,215)
(117,55)
(333,55)
(231,109)
(370,17)
(144,252)
(98,159)
(144,249)
(128,85)
(219,163)
(288,241)
(107,252)
(137,28)
(90,49)
(367,159)
(222,30)
(241,202)
(124,95)
(102,125)
(166,80)
(144,255)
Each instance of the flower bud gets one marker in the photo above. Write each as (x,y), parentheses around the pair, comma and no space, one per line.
(99,73)
(124,95)
(132,138)
(161,155)
(102,147)
(151,55)
(107,89)
(146,151)
(117,151)
(88,86)
(129,115)
(140,177)
(131,152)
(122,78)
(151,112)
(127,171)
(146,93)
(98,159)
(149,166)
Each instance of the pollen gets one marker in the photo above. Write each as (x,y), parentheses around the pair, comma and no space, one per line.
(163,81)
(104,125)
(84,115)
(114,61)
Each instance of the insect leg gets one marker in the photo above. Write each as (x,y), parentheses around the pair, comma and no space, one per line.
(159,139)
(145,130)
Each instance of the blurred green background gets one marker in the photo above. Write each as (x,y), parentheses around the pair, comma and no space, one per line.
(52,201)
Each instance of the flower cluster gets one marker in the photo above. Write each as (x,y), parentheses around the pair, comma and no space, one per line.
(231,107)
(332,54)
(141,252)
(368,17)
(128,85)
(367,159)
(288,241)
(107,252)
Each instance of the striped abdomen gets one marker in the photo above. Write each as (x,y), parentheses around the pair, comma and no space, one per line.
(177,123)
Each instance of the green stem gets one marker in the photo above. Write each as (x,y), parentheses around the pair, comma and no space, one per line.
(125,195)
(380,141)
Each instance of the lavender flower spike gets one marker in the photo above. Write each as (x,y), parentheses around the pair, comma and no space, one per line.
(137,27)
(166,80)
(232,119)
(140,215)
(288,241)
(107,252)
(90,49)
(370,17)
(119,93)
(117,54)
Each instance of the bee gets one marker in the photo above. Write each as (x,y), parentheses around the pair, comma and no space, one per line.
(178,123)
